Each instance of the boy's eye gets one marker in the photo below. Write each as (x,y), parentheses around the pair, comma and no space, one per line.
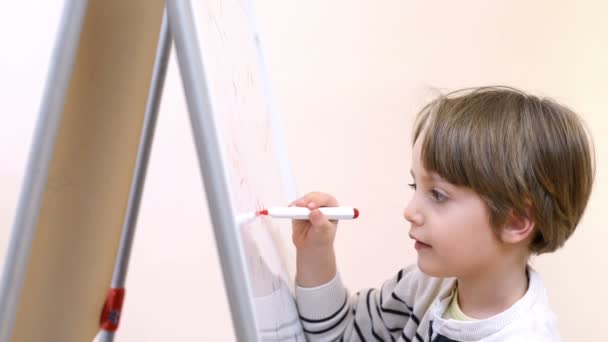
(412,186)
(438,196)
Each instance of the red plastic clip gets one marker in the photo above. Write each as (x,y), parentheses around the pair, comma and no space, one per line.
(110,316)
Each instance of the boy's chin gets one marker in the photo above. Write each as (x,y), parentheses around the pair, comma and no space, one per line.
(432,269)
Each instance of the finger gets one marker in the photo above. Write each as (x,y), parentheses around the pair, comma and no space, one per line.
(300,202)
(319,199)
(304,200)
(317,219)
(294,202)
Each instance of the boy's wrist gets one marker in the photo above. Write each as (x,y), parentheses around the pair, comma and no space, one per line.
(315,267)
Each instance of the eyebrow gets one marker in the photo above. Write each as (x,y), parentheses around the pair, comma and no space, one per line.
(430,175)
(434,177)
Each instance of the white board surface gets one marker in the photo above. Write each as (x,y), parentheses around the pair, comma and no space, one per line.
(254,158)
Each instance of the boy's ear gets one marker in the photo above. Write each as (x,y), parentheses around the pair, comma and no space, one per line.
(518,228)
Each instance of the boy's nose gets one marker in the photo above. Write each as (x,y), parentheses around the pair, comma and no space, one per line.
(412,214)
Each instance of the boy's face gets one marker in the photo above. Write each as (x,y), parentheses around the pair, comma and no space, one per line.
(451,225)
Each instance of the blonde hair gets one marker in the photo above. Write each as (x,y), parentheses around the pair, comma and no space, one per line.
(522,154)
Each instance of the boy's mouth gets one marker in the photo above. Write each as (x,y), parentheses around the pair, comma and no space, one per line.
(419,245)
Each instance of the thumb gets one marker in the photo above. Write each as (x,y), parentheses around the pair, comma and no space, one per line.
(318,220)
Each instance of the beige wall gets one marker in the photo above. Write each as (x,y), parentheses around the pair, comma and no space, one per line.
(348,76)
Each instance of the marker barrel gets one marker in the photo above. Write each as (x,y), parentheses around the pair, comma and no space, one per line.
(303,213)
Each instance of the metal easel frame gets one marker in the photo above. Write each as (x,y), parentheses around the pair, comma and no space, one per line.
(178,23)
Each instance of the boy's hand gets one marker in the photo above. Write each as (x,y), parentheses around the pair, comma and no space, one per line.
(318,232)
(314,240)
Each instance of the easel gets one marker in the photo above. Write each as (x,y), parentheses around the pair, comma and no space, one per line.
(177,23)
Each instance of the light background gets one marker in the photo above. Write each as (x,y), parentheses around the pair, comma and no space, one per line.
(348,76)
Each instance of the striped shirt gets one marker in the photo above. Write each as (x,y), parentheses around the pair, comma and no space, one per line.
(410,306)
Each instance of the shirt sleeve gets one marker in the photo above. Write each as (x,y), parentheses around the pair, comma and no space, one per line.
(328,313)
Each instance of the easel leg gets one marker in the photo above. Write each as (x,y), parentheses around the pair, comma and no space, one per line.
(109,323)
(49,118)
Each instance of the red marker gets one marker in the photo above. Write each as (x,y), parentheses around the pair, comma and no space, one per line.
(303,213)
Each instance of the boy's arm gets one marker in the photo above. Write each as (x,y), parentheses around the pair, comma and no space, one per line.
(314,241)
(326,311)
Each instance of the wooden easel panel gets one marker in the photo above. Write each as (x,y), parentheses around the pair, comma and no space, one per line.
(85,200)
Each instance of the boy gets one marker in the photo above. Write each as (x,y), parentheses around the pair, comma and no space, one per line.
(498,175)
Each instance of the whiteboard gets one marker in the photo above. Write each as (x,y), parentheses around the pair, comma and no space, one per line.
(243,160)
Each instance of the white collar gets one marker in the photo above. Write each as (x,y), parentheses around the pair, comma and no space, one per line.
(475,330)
